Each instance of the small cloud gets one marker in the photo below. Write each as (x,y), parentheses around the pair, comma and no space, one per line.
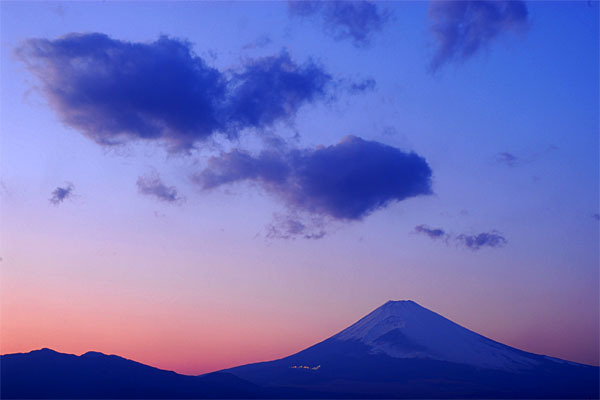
(4,189)
(512,160)
(389,131)
(60,194)
(507,159)
(354,20)
(261,41)
(434,233)
(58,9)
(152,185)
(363,86)
(472,242)
(353,86)
(485,239)
(464,27)
(292,227)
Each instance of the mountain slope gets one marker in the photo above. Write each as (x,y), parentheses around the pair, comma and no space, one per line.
(404,350)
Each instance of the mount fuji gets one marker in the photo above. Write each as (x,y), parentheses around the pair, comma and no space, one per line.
(402,349)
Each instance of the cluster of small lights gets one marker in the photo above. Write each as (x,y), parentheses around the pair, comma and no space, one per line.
(306,367)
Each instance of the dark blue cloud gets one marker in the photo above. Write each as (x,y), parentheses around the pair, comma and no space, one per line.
(434,233)
(355,20)
(60,194)
(463,27)
(116,91)
(346,181)
(152,185)
(485,239)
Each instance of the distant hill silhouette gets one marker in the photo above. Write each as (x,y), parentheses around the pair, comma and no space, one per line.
(400,350)
(48,374)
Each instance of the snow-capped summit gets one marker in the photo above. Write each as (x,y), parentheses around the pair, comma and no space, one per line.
(404,329)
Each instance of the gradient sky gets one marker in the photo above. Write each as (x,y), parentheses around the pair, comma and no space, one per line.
(127,249)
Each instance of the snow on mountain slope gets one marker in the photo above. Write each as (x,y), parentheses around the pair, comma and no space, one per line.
(404,329)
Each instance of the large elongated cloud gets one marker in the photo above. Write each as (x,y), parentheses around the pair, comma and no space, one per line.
(115,91)
(463,27)
(346,181)
(354,20)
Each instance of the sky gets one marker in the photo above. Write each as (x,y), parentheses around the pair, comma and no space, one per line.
(199,185)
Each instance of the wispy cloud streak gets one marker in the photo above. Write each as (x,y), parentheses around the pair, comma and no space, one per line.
(472,242)
(353,20)
(464,27)
(152,185)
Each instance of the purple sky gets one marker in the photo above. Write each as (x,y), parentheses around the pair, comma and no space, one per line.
(197,185)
